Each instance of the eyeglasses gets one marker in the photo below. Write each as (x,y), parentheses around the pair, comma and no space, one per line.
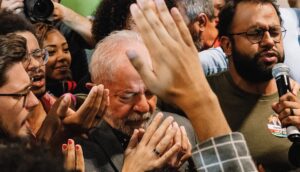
(255,35)
(19,95)
(41,55)
(26,61)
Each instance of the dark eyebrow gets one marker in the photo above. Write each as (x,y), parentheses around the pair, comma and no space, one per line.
(51,46)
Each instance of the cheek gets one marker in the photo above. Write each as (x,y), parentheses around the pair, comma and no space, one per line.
(152,103)
(69,58)
(118,109)
(51,62)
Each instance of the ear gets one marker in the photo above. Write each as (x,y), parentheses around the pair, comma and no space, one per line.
(226,45)
(202,20)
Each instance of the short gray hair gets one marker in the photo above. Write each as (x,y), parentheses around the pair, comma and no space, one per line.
(109,54)
(192,8)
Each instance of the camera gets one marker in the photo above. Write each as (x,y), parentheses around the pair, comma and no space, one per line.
(38,10)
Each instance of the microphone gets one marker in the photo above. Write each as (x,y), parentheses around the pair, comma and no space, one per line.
(281,74)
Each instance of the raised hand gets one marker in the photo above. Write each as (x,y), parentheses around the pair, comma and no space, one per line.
(177,75)
(16,6)
(90,112)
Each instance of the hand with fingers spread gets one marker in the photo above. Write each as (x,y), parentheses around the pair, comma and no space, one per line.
(16,6)
(152,151)
(176,75)
(288,109)
(62,122)
(90,112)
(73,156)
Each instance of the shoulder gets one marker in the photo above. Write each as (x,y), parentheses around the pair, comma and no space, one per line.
(217,78)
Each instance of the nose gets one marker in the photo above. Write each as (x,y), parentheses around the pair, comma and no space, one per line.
(62,56)
(32,101)
(141,105)
(267,41)
(34,64)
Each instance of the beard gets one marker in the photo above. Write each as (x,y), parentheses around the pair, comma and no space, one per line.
(132,121)
(251,68)
(197,41)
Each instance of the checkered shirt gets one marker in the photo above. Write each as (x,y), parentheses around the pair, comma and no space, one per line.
(224,153)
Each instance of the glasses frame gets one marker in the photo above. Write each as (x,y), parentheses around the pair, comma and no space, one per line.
(282,34)
(45,55)
(18,95)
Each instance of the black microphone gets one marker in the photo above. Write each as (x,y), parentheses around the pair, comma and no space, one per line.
(281,74)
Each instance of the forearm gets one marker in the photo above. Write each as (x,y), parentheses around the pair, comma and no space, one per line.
(78,23)
(203,109)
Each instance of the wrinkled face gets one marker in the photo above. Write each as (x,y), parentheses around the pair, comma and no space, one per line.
(58,65)
(36,70)
(131,104)
(204,34)
(14,110)
(209,35)
(254,61)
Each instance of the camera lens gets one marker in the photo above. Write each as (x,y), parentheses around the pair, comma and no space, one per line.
(42,9)
(38,10)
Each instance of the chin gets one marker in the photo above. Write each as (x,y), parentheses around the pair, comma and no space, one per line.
(39,92)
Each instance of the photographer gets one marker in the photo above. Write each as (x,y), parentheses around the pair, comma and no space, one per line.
(75,28)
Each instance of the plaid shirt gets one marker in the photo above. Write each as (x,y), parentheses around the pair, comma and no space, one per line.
(224,153)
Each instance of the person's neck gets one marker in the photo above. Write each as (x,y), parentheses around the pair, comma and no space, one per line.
(36,118)
(262,88)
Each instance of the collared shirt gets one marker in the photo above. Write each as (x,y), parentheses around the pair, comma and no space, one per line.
(224,153)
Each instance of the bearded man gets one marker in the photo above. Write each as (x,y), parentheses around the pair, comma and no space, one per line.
(131,106)
(251,36)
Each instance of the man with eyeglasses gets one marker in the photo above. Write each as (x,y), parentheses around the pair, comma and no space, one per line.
(16,98)
(251,36)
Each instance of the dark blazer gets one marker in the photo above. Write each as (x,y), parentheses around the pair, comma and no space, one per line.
(103,152)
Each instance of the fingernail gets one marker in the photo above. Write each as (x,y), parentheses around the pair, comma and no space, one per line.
(131,54)
(77,147)
(64,146)
(70,141)
(88,86)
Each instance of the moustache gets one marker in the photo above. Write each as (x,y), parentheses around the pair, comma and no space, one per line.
(268,53)
(138,117)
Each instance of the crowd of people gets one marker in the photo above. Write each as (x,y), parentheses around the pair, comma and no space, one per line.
(171,85)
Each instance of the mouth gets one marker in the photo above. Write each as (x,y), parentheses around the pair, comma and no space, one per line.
(269,57)
(62,68)
(38,80)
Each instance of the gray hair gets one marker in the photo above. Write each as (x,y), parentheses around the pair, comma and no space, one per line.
(109,54)
(192,8)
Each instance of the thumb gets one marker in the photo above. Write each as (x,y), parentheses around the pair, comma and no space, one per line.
(142,66)
(63,106)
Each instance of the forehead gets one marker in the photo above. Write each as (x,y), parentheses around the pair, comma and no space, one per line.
(250,14)
(31,40)
(12,84)
(219,3)
(54,36)
(125,75)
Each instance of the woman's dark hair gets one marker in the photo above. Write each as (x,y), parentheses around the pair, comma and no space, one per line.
(41,31)
(112,15)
